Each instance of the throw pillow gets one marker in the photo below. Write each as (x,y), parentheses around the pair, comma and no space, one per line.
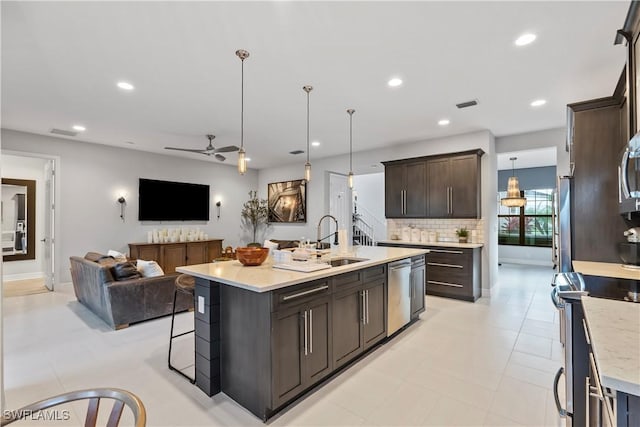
(125,271)
(149,268)
(118,256)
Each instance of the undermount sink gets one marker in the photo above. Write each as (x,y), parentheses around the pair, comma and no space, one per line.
(337,262)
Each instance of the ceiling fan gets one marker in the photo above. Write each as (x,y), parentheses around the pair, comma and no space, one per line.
(210,150)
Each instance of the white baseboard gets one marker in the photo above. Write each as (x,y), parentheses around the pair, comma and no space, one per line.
(525,262)
(22,276)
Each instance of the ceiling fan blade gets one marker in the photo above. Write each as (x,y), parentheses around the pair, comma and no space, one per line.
(186,149)
(220,157)
(227,149)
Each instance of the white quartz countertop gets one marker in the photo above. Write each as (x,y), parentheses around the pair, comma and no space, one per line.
(606,269)
(441,244)
(614,328)
(264,278)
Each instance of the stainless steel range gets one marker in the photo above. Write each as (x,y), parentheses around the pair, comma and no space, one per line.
(567,290)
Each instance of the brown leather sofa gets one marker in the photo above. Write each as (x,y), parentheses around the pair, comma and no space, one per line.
(122,302)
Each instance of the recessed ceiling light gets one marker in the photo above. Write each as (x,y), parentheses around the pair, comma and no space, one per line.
(79,128)
(538,102)
(444,122)
(395,82)
(525,39)
(247,159)
(125,85)
(316,143)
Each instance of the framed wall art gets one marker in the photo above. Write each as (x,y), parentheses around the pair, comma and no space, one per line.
(287,201)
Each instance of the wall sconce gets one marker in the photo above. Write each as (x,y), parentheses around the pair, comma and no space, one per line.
(122,202)
(218,204)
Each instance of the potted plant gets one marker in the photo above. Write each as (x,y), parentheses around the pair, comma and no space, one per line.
(254,214)
(463,234)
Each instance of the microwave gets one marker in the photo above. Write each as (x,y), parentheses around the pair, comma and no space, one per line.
(629,177)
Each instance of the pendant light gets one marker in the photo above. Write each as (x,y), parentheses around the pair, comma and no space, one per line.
(350,111)
(513,199)
(242,160)
(307,166)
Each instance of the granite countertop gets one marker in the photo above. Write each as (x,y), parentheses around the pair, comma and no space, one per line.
(606,269)
(441,244)
(264,278)
(614,328)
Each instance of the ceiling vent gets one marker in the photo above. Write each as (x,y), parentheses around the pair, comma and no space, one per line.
(467,104)
(294,152)
(63,132)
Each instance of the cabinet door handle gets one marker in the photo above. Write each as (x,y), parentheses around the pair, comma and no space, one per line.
(310,331)
(367,298)
(435,282)
(437,264)
(364,304)
(301,294)
(305,332)
(443,251)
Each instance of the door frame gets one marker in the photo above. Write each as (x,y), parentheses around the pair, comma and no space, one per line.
(57,211)
(348,202)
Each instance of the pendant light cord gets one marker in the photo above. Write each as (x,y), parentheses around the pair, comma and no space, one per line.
(350,142)
(307,126)
(242,106)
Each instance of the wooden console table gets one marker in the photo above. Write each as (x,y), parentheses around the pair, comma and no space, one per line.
(172,255)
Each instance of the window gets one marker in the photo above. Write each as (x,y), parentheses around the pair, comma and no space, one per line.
(529,225)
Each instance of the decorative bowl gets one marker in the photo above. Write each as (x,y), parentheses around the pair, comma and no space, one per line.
(251,256)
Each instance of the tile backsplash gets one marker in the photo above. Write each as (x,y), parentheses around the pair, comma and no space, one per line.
(445,228)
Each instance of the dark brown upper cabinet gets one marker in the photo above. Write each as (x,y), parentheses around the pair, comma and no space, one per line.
(405,190)
(443,186)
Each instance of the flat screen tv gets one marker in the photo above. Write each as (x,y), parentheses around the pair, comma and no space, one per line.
(172,201)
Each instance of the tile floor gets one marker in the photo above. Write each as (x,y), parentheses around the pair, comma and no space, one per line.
(485,364)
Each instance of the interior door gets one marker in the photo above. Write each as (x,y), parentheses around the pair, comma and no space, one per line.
(339,205)
(48,241)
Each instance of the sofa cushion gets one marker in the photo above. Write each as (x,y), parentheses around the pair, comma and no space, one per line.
(149,268)
(118,256)
(125,271)
(94,256)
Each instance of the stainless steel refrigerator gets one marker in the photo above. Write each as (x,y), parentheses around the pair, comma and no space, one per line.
(561,241)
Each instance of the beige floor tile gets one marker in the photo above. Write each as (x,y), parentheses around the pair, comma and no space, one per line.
(520,401)
(531,344)
(452,412)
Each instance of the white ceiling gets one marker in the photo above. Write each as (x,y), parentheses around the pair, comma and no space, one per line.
(61,60)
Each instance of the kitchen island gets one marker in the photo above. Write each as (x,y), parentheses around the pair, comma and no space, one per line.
(613,331)
(265,336)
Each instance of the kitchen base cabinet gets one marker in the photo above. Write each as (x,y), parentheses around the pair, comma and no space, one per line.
(418,283)
(359,313)
(272,347)
(301,348)
(454,273)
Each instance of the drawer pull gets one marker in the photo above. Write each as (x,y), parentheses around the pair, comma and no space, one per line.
(437,264)
(301,294)
(435,282)
(443,251)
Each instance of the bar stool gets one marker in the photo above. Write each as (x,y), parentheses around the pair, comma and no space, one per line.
(185,284)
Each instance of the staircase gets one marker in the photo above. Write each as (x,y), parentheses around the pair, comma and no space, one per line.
(362,232)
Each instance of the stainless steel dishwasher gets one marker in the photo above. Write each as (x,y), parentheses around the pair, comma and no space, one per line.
(399,306)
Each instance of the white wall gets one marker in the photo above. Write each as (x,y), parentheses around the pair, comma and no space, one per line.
(31,168)
(90,178)
(317,189)
(526,141)
(370,191)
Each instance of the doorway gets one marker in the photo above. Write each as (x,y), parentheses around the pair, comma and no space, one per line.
(27,276)
(340,201)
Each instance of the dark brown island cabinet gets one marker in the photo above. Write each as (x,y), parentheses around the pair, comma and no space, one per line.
(266,349)
(442,186)
(172,255)
(418,285)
